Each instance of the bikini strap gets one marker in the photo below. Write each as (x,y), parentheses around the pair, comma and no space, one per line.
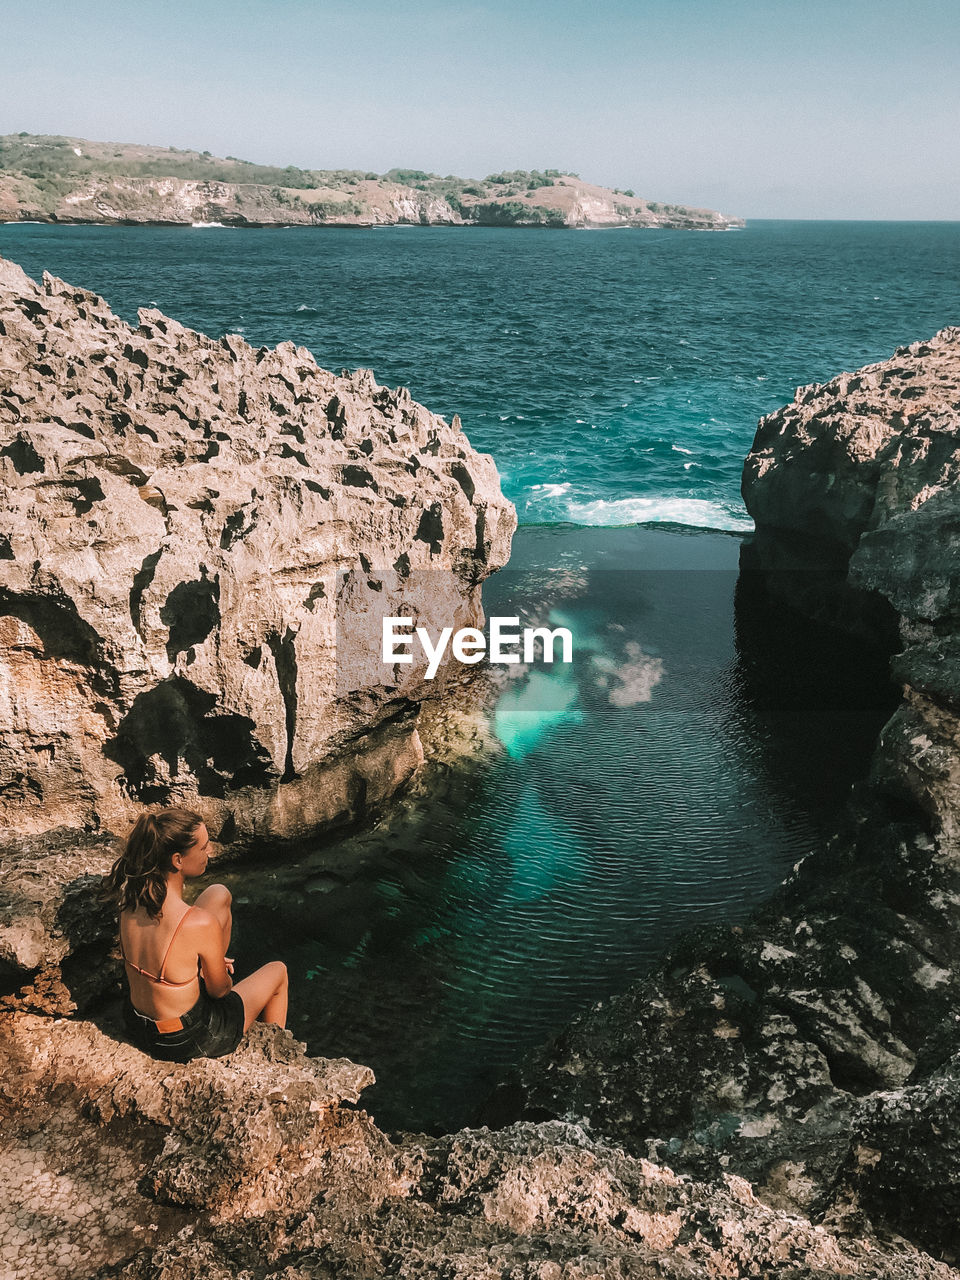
(163,965)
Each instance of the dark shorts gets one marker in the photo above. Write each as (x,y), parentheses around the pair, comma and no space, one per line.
(211,1029)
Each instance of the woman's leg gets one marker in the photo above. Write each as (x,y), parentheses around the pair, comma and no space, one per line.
(264,995)
(218,900)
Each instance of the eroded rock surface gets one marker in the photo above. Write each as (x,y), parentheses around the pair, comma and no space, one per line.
(105,1150)
(257,1166)
(855,488)
(846,470)
(197,539)
(46,883)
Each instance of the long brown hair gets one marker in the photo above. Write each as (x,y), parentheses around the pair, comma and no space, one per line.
(138,878)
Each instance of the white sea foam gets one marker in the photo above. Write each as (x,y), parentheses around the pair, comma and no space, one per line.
(698,513)
(206,224)
(551,490)
(678,448)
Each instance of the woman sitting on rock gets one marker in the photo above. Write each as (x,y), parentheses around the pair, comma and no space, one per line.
(183,1003)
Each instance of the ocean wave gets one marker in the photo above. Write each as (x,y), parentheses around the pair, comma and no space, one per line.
(696,513)
(551,490)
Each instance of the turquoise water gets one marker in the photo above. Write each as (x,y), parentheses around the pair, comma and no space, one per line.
(615,376)
(668,778)
(697,747)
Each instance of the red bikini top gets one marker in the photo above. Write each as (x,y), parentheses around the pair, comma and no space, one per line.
(159,978)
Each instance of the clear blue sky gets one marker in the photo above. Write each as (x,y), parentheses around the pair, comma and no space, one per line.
(768,108)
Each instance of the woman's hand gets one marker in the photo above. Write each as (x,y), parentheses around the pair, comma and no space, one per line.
(228,961)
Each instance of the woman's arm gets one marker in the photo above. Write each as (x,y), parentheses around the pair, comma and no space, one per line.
(213,966)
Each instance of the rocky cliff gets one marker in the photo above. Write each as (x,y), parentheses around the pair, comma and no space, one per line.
(259,1167)
(74,180)
(855,489)
(197,539)
(815,1050)
(780,1099)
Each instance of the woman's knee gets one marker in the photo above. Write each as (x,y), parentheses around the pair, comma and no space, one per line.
(280,973)
(216,898)
(221,895)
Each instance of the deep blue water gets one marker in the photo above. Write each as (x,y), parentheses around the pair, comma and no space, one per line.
(695,750)
(615,376)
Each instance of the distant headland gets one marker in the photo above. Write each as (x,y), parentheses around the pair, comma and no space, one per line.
(48,178)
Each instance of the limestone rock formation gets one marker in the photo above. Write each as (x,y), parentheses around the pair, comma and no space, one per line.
(258,1167)
(53,938)
(197,541)
(855,489)
(842,468)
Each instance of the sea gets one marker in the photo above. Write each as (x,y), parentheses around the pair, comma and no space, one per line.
(699,746)
(615,376)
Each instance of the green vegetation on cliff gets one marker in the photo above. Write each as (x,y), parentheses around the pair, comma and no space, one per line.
(62,179)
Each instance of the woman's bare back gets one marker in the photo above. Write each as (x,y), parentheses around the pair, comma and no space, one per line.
(164,948)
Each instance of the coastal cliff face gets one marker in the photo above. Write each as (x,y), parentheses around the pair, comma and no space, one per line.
(815,1050)
(74,180)
(855,490)
(830,476)
(371,202)
(197,539)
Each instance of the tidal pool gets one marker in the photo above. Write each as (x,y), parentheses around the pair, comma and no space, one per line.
(697,747)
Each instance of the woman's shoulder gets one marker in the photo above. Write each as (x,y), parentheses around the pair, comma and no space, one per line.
(197,919)
(201,931)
